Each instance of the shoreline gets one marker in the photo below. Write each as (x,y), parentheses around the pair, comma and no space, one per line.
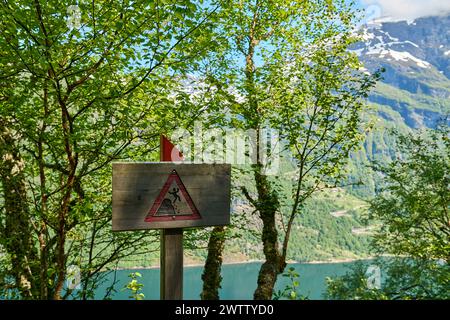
(192,265)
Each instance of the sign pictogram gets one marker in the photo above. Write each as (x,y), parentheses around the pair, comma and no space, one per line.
(173,202)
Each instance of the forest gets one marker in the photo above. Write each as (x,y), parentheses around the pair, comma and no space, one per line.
(86,85)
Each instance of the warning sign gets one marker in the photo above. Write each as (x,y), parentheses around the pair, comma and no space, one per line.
(168,195)
(173,202)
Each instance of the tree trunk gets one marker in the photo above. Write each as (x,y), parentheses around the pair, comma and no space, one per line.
(211,275)
(16,230)
(274,265)
(267,202)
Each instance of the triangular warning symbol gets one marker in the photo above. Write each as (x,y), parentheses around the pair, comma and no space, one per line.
(173,202)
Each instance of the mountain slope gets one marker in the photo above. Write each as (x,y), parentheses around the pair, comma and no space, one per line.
(416,59)
(414,92)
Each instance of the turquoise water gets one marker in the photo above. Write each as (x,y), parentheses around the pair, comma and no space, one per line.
(239,280)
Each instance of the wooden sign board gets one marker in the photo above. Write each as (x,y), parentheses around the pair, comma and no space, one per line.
(170,195)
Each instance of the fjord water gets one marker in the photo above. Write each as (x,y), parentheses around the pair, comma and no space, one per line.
(239,280)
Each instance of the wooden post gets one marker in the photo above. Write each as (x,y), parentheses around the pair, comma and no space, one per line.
(171,254)
(171,264)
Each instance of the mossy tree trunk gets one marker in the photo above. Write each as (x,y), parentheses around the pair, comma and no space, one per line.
(274,265)
(212,272)
(267,203)
(16,230)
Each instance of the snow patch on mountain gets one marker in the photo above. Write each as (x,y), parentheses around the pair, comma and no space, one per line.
(405,56)
(388,35)
(378,39)
(411,43)
(366,36)
(398,56)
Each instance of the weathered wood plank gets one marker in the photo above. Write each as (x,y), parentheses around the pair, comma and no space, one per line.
(136,187)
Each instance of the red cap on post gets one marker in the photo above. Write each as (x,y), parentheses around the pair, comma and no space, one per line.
(168,151)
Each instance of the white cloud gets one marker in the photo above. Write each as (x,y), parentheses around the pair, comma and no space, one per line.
(407,9)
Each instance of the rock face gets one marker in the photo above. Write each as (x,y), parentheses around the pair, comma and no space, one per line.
(416,57)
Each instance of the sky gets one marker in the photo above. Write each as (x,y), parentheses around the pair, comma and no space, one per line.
(404,9)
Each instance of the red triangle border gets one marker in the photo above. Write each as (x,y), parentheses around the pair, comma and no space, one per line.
(154,209)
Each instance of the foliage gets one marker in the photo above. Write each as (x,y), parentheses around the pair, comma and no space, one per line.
(413,204)
(291,290)
(404,279)
(285,65)
(412,208)
(72,100)
(134,286)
